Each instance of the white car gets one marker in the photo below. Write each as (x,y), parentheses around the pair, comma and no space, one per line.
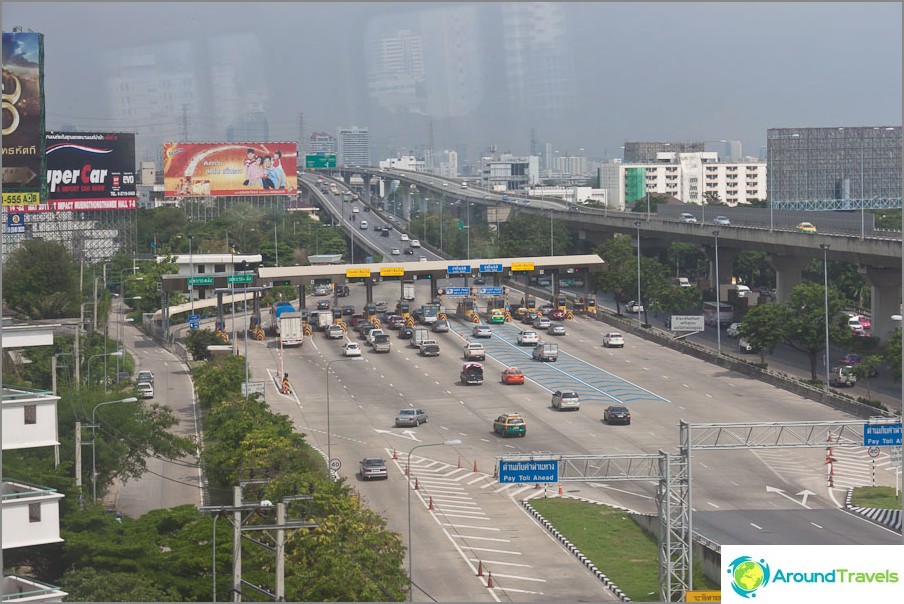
(613,340)
(395,251)
(352,350)
(528,338)
(633,307)
(145,390)
(404,237)
(721,221)
(415,243)
(334,332)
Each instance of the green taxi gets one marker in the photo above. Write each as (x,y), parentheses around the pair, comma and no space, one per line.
(510,424)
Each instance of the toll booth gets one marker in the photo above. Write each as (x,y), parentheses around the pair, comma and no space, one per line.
(337,315)
(589,304)
(403,308)
(561,302)
(530,303)
(370,311)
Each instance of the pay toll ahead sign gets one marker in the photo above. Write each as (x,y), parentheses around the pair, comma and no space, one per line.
(881,435)
(528,471)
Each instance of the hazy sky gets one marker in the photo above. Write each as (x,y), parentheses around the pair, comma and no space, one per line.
(581,75)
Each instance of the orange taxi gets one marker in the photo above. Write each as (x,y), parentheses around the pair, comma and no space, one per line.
(512,375)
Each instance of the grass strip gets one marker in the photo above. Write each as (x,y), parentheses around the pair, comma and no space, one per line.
(882,498)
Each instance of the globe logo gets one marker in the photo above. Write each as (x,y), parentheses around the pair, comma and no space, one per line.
(748,575)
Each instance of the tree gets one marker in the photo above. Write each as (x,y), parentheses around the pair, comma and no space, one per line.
(620,274)
(752,268)
(676,299)
(197,342)
(528,235)
(763,326)
(893,355)
(685,256)
(805,327)
(41,280)
(219,379)
(866,369)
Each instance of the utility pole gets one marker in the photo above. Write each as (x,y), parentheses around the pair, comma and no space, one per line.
(78,455)
(237,544)
(78,327)
(281,552)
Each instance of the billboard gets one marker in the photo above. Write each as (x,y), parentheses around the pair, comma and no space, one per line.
(229,169)
(88,171)
(23,117)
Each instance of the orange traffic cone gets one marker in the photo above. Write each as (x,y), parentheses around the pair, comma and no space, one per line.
(459,461)
(489,579)
(430,507)
(395,455)
(479,569)
(475,465)
(560,490)
(415,483)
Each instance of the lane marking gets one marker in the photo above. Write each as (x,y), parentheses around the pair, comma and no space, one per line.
(478,528)
(520,578)
(483,538)
(756,527)
(495,551)
(500,563)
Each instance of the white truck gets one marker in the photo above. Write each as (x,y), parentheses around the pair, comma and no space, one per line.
(429,348)
(418,335)
(545,352)
(372,334)
(321,319)
(291,330)
(407,290)
(474,351)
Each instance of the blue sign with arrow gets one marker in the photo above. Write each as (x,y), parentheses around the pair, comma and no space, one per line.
(489,291)
(458,291)
(490,268)
(459,269)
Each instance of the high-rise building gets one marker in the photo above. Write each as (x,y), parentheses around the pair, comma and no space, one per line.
(822,164)
(397,77)
(353,146)
(322,142)
(646,152)
(509,173)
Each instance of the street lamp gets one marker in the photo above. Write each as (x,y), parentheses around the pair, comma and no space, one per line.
(445,443)
(825,286)
(116,353)
(191,275)
(329,451)
(638,303)
(130,399)
(718,299)
(468,226)
(551,250)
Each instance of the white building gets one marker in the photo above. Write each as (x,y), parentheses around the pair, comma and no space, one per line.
(353,146)
(448,167)
(322,142)
(30,513)
(511,172)
(404,162)
(576,195)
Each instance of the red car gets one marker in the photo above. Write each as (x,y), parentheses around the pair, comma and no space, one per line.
(851,359)
(557,315)
(865,323)
(512,375)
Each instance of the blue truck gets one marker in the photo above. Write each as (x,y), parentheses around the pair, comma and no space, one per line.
(275,312)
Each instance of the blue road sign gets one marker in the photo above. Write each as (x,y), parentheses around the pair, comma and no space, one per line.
(458,291)
(529,470)
(459,269)
(15,223)
(489,291)
(881,435)
(194,317)
(490,268)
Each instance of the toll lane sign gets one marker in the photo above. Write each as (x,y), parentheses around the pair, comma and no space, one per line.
(881,435)
(532,471)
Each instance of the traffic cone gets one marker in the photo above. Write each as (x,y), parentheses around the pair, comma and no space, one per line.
(479,568)
(406,469)
(560,490)
(475,465)
(430,507)
(415,484)
(489,580)
(395,455)
(459,462)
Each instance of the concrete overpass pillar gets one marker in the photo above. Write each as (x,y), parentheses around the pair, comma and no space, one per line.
(789,272)
(886,299)
(727,257)
(406,203)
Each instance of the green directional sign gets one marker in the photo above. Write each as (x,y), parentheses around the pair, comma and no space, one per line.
(200,280)
(314,162)
(240,278)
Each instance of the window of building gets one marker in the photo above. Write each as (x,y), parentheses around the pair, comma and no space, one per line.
(200,268)
(31,414)
(34,512)
(219,268)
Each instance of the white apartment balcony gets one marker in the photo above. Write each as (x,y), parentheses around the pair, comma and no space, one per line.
(24,589)
(29,418)
(31,514)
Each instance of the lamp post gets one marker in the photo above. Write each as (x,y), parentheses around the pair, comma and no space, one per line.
(329,450)
(718,299)
(825,286)
(122,332)
(442,202)
(424,203)
(468,226)
(638,303)
(116,353)
(551,250)
(191,275)
(445,443)
(130,399)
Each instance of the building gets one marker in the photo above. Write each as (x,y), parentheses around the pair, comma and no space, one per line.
(448,167)
(397,77)
(692,178)
(571,165)
(510,173)
(641,153)
(612,181)
(321,142)
(821,164)
(30,513)
(404,162)
(353,147)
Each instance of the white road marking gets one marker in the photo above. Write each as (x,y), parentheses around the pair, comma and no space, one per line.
(712,504)
(816,525)
(522,489)
(483,538)
(759,528)
(479,528)
(448,515)
(494,562)
(520,591)
(521,578)
(495,551)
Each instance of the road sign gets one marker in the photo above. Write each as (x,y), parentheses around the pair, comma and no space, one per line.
(529,471)
(239,278)
(249,388)
(357,272)
(392,271)
(313,162)
(522,266)
(490,268)
(881,435)
(873,451)
(895,457)
(489,291)
(335,464)
(687,323)
(458,291)
(702,596)
(200,280)
(459,269)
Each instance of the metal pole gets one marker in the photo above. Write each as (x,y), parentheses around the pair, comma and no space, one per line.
(130,399)
(191,274)
(237,545)
(245,337)
(468,210)
(442,202)
(638,303)
(718,299)
(275,243)
(281,552)
(551,251)
(825,284)
(862,194)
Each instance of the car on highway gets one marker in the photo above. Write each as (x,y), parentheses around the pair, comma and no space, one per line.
(355,210)
(734,330)
(352,349)
(865,322)
(322,290)
(852,359)
(348,310)
(323,305)
(806,227)
(441,326)
(409,251)
(613,339)
(510,424)
(566,399)
(474,351)
(334,332)
(542,323)
(556,330)
(482,331)
(722,221)
(687,218)
(529,317)
(145,376)
(633,307)
(342,291)
(145,390)
(381,306)
(616,414)
(528,338)
(410,417)
(512,375)
(396,322)
(546,309)
(396,251)
(415,243)
(422,258)
(363,225)
(556,315)
(373,467)
(404,237)
(406,332)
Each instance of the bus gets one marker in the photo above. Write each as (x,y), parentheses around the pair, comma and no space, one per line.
(721,311)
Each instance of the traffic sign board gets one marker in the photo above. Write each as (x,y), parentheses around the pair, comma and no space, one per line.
(459,269)
(873,451)
(319,161)
(240,278)
(529,470)
(490,268)
(895,457)
(687,323)
(194,317)
(881,435)
(489,291)
(335,464)
(458,291)
(200,280)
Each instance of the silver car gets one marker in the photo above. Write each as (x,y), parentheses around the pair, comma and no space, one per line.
(411,417)
(566,399)
(556,330)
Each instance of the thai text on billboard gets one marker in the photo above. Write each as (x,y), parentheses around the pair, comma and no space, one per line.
(229,169)
(23,111)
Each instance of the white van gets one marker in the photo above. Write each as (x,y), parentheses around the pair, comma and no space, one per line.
(464,185)
(363,225)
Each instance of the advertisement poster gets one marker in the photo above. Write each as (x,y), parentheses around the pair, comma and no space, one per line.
(23,115)
(229,169)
